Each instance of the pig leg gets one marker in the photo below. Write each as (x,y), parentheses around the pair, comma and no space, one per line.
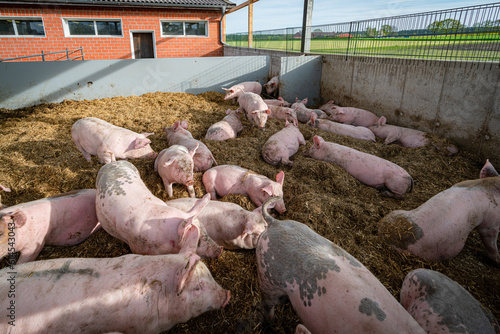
(29,254)
(270,298)
(489,237)
(86,155)
(168,188)
(301,329)
(191,191)
(106,156)
(209,183)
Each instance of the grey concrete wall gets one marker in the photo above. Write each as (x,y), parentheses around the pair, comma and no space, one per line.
(30,83)
(455,100)
(300,75)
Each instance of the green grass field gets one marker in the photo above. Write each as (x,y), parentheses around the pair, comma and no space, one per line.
(485,47)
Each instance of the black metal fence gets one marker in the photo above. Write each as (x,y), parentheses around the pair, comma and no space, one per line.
(466,33)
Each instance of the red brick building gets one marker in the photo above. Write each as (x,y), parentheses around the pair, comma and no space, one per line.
(112,29)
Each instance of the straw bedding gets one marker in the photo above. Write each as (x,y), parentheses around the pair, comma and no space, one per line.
(39,159)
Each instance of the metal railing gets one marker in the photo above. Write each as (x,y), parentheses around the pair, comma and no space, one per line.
(466,33)
(65,57)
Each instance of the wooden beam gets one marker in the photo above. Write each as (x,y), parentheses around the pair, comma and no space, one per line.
(250,23)
(241,5)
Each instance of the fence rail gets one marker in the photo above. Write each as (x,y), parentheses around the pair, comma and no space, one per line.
(467,33)
(67,55)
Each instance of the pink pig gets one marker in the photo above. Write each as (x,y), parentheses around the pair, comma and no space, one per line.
(272,85)
(130,212)
(437,230)
(328,107)
(62,220)
(175,165)
(353,116)
(329,289)
(359,132)
(277,102)
(179,135)
(248,86)
(255,108)
(404,136)
(93,136)
(126,294)
(441,305)
(228,128)
(304,113)
(282,145)
(369,169)
(228,224)
(230,179)
(283,113)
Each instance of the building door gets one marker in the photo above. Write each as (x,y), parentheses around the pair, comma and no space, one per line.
(143,45)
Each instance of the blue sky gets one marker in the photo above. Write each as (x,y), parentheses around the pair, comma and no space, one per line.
(278,14)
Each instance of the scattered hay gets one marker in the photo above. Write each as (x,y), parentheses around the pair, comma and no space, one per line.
(39,159)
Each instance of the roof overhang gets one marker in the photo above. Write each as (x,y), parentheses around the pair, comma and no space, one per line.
(121,4)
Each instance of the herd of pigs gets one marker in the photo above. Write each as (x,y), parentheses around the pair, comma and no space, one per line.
(330,290)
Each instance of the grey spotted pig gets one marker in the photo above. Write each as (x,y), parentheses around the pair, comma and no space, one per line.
(329,289)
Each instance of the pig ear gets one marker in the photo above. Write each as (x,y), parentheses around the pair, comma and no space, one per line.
(225,89)
(382,121)
(295,122)
(488,170)
(268,190)
(184,124)
(248,229)
(185,272)
(169,162)
(280,98)
(17,217)
(340,112)
(189,235)
(228,111)
(199,205)
(147,134)
(193,151)
(141,142)
(296,99)
(317,141)
(287,123)
(280,177)
(176,125)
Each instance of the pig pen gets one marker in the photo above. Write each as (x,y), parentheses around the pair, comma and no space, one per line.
(39,159)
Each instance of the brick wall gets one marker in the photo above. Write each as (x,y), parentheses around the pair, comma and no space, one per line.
(111,47)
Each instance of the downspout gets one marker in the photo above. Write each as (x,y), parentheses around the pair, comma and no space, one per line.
(221,19)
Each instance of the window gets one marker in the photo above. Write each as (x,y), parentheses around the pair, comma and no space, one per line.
(21,27)
(79,27)
(188,28)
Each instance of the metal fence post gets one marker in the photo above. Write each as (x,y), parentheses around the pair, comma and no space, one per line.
(348,41)
(43,56)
